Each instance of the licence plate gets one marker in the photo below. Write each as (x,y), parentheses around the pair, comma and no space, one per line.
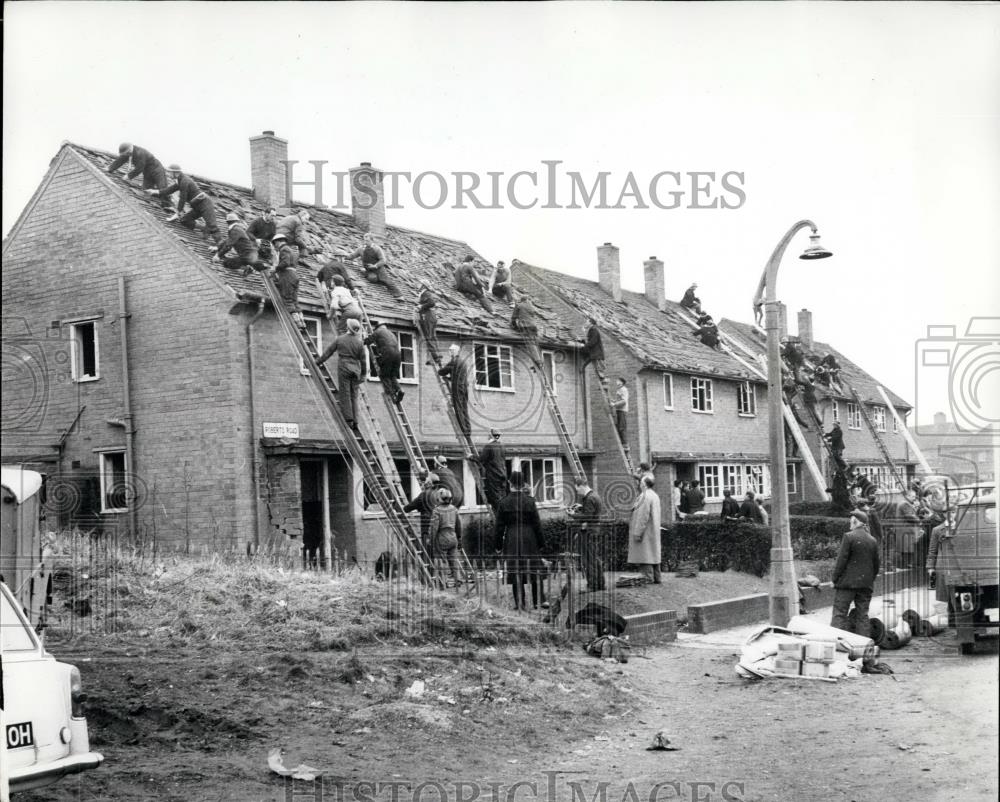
(19,735)
(992,614)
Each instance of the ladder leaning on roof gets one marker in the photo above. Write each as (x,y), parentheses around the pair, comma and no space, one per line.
(609,407)
(569,447)
(403,427)
(759,369)
(383,487)
(883,450)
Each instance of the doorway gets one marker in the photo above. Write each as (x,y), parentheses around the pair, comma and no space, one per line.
(313,525)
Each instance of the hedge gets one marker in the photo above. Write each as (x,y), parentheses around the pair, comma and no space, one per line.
(826,509)
(716,545)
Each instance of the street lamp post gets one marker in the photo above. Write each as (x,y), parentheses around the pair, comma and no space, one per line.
(784,592)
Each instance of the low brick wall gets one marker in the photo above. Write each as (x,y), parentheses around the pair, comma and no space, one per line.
(658,625)
(753,609)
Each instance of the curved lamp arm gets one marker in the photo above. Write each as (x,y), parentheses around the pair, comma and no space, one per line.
(767,277)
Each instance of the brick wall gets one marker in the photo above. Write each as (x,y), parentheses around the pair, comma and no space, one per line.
(63,262)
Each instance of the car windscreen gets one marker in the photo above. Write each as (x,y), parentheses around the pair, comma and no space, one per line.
(15,634)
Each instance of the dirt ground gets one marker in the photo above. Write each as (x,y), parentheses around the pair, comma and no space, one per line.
(194,718)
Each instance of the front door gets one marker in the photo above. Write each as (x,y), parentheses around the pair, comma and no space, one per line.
(312,512)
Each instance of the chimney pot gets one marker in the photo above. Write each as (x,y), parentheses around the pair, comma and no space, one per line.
(268,133)
(607,243)
(366,164)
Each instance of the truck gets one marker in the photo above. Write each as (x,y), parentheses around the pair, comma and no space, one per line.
(965,562)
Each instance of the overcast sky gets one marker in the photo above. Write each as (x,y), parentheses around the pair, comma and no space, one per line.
(879,122)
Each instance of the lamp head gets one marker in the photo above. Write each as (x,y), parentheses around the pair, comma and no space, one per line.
(815,250)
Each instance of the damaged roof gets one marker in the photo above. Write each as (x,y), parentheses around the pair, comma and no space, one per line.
(850,373)
(661,340)
(413,255)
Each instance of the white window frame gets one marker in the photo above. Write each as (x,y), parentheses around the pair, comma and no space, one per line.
(737,477)
(412,348)
(104,469)
(792,477)
(835,411)
(853,415)
(312,321)
(878,417)
(710,477)
(549,369)
(503,353)
(76,354)
(551,467)
(746,400)
(668,391)
(702,388)
(895,424)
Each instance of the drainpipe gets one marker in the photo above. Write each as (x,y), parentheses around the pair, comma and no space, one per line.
(123,316)
(258,511)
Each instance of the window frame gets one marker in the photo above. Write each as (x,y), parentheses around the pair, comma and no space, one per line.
(835,411)
(668,382)
(102,467)
(853,415)
(709,395)
(737,477)
(716,480)
(412,348)
(500,348)
(317,342)
(791,477)
(527,468)
(76,351)
(746,392)
(549,362)
(878,417)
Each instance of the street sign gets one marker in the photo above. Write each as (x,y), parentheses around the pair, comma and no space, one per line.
(284,430)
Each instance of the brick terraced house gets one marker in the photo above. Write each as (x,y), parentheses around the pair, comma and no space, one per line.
(159,395)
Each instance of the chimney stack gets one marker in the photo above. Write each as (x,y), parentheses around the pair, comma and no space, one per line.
(656,291)
(806,328)
(609,272)
(268,154)
(782,319)
(368,198)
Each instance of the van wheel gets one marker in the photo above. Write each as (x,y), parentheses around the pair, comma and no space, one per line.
(966,648)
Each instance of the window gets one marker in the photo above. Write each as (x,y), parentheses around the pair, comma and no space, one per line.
(549,369)
(408,363)
(668,391)
(406,480)
(895,424)
(84,353)
(494,367)
(853,415)
(15,633)
(878,415)
(544,476)
(746,401)
(835,410)
(709,477)
(114,490)
(701,395)
(315,329)
(737,478)
(791,477)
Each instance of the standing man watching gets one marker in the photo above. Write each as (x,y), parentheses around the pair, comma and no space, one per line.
(854,576)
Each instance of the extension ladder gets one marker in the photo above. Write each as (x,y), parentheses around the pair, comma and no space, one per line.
(900,481)
(385,490)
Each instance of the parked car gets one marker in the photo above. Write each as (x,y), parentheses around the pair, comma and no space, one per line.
(42,707)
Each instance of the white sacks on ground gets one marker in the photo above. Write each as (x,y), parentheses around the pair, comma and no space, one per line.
(805,648)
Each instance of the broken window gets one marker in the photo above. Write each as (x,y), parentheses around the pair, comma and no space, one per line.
(84,353)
